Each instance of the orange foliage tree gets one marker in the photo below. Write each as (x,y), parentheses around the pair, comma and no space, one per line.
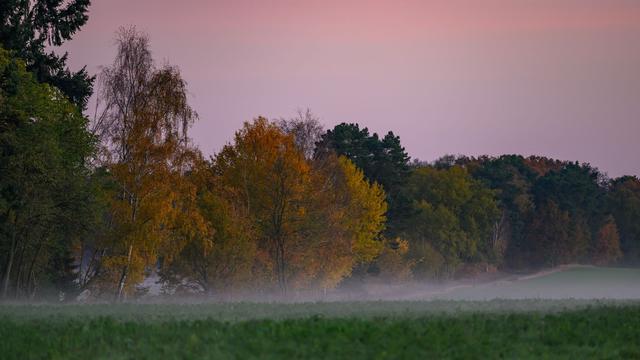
(311,220)
(607,243)
(143,126)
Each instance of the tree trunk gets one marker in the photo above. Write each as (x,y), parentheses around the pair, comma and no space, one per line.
(30,276)
(7,273)
(20,268)
(133,201)
(123,277)
(281,266)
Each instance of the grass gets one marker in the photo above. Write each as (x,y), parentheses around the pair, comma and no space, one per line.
(438,329)
(441,328)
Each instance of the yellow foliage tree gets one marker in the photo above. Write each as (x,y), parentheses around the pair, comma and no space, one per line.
(365,212)
(345,222)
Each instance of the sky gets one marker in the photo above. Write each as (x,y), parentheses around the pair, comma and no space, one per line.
(558,78)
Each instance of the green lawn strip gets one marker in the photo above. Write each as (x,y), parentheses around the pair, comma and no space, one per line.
(598,332)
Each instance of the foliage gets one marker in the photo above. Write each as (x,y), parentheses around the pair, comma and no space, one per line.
(266,176)
(454,214)
(28,27)
(549,238)
(575,188)
(393,261)
(45,192)
(607,246)
(143,126)
(383,161)
(528,189)
(512,179)
(624,204)
(312,221)
(220,260)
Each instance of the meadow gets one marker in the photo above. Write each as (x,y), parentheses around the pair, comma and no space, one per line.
(434,328)
(438,329)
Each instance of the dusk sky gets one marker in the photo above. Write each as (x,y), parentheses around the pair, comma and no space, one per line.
(559,78)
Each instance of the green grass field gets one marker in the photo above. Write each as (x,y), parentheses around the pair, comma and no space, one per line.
(529,328)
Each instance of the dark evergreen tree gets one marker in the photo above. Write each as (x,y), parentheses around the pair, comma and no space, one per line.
(384,161)
(512,179)
(624,204)
(45,197)
(576,188)
(27,27)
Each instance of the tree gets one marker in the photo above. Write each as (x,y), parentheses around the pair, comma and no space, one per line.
(27,27)
(527,187)
(549,238)
(306,130)
(363,212)
(313,221)
(267,175)
(607,247)
(512,180)
(575,188)
(221,260)
(453,214)
(393,262)
(383,161)
(624,203)
(45,193)
(143,125)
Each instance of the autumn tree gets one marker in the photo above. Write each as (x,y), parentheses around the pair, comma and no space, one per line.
(312,220)
(267,175)
(607,244)
(218,261)
(143,125)
(346,218)
(393,263)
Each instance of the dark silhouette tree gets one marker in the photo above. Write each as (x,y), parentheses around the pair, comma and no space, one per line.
(624,204)
(383,161)
(45,199)
(27,27)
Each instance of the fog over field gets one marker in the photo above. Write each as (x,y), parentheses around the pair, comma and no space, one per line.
(568,282)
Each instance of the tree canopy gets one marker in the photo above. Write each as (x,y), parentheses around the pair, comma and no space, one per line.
(383,161)
(28,27)
(45,195)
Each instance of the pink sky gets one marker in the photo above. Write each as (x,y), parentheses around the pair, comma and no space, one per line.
(559,78)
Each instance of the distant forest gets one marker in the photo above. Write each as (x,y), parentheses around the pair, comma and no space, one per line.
(102,204)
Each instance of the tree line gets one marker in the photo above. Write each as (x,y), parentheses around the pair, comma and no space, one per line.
(104,205)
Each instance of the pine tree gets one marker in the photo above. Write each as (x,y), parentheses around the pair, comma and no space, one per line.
(28,27)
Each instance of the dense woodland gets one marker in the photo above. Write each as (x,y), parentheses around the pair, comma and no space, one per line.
(102,204)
